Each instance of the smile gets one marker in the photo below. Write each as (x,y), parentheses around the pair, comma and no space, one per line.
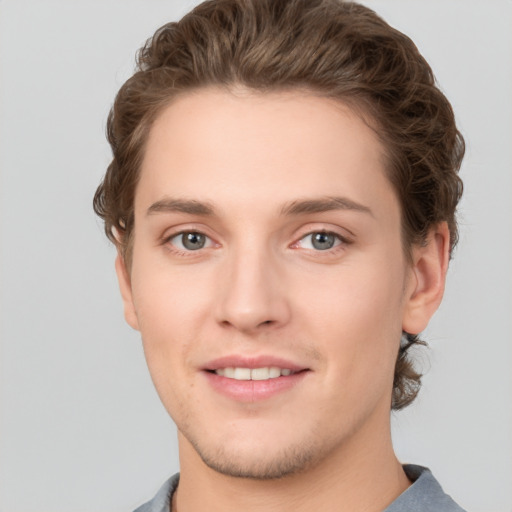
(264,373)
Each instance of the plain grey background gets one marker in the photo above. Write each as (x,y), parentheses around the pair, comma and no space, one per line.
(81,426)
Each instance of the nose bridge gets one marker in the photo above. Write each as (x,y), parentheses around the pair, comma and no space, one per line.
(253,295)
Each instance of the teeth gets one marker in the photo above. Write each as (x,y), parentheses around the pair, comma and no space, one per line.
(229,372)
(261,374)
(242,374)
(274,372)
(266,373)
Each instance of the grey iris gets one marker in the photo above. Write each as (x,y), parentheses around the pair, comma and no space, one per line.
(323,241)
(193,241)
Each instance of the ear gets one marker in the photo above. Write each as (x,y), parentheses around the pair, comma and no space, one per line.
(123,277)
(427,279)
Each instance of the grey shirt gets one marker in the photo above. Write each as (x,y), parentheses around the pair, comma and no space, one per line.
(424,495)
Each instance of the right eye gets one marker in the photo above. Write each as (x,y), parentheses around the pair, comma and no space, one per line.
(190,241)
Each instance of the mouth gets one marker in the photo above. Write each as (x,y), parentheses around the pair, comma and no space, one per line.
(253,379)
(264,373)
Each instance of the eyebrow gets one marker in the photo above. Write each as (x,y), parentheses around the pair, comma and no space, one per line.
(324,205)
(298,207)
(190,206)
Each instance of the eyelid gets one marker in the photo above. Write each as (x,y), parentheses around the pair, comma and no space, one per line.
(345,236)
(179,229)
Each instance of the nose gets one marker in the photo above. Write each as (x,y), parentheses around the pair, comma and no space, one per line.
(253,294)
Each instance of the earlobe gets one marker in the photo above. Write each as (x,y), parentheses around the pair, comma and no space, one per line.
(125,287)
(427,280)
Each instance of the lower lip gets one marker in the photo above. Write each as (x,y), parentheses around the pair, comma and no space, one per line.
(253,390)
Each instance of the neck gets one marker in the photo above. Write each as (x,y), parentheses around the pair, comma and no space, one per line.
(363,475)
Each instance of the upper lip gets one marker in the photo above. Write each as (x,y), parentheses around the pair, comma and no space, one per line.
(262,361)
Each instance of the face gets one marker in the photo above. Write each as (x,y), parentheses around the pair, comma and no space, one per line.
(268,278)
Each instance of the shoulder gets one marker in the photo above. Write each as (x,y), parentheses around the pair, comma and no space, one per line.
(162,500)
(424,495)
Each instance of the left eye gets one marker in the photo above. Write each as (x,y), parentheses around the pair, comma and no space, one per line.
(190,241)
(320,241)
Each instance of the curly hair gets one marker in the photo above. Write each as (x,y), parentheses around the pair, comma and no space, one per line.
(333,48)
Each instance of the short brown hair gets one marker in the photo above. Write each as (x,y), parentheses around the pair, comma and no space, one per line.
(331,48)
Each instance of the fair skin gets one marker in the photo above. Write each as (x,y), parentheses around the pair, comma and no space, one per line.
(267,235)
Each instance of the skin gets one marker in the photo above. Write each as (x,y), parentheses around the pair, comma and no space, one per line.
(259,286)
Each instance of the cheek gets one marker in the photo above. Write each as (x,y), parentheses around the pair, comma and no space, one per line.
(167,298)
(356,317)
(165,327)
(359,336)
(363,298)
(171,311)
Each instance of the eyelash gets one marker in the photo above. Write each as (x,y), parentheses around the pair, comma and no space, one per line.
(342,242)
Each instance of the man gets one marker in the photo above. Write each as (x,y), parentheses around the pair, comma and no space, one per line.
(282,196)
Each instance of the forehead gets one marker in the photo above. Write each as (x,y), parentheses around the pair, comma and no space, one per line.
(260,149)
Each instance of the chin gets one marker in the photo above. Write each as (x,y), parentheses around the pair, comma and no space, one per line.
(257,462)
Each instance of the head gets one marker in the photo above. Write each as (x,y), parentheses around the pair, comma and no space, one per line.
(339,52)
